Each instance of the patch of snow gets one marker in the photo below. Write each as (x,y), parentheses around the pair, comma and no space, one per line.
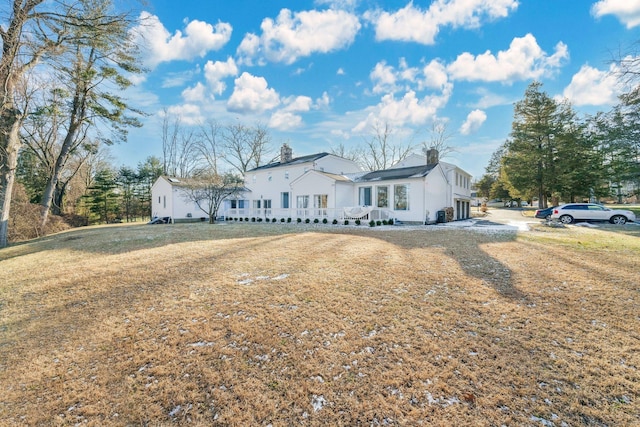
(318,402)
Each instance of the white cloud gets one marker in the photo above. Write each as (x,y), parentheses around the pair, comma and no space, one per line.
(522,61)
(590,86)
(627,11)
(416,25)
(386,78)
(383,77)
(251,94)
(300,34)
(190,114)
(435,75)
(474,120)
(408,110)
(215,72)
(195,94)
(159,45)
(285,120)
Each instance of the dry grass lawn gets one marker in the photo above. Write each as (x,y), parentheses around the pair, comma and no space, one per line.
(247,324)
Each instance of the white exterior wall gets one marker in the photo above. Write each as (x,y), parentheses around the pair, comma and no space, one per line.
(436,194)
(161,203)
(168,200)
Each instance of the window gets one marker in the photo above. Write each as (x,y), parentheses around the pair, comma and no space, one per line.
(256,204)
(159,201)
(320,204)
(382,194)
(364,196)
(266,204)
(401,197)
(303,202)
(164,201)
(284,200)
(286,174)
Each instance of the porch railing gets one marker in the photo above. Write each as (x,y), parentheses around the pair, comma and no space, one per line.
(311,213)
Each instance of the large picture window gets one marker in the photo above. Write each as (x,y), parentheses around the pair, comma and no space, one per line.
(401,197)
(382,194)
(320,204)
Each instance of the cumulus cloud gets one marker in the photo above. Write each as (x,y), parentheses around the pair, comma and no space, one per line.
(627,11)
(215,72)
(474,120)
(190,114)
(590,86)
(386,78)
(159,45)
(292,36)
(196,93)
(422,26)
(251,94)
(523,60)
(409,110)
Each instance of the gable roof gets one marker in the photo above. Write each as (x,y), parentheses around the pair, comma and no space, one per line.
(398,173)
(292,162)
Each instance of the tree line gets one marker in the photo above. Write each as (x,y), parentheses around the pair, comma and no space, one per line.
(555,155)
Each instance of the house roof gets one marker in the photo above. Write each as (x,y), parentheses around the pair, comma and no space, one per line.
(296,161)
(399,173)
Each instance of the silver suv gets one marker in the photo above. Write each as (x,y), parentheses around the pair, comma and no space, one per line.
(572,212)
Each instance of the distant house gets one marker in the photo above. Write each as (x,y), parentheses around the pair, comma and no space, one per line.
(327,186)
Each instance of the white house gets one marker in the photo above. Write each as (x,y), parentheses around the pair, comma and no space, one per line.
(327,186)
(167,200)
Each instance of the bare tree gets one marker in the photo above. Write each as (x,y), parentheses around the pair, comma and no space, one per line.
(208,192)
(353,153)
(246,147)
(380,152)
(180,150)
(438,137)
(209,144)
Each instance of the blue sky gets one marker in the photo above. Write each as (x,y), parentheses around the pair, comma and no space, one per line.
(322,73)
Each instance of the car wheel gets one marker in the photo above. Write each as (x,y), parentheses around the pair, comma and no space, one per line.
(618,219)
(566,219)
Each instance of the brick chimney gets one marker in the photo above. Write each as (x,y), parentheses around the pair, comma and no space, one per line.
(432,156)
(286,153)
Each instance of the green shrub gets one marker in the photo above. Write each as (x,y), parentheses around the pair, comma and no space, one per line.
(281,219)
(378,223)
(358,222)
(274,220)
(346,222)
(385,222)
(253,219)
(259,219)
(324,220)
(246,219)
(288,219)
(334,222)
(307,221)
(316,220)
(390,222)
(299,220)
(372,223)
(240,219)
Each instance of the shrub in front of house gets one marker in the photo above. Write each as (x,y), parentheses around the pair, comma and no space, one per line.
(274,220)
(288,219)
(346,222)
(390,222)
(385,222)
(324,220)
(378,223)
(240,219)
(246,219)
(372,223)
(334,222)
(358,222)
(299,220)
(281,219)
(307,221)
(315,221)
(259,219)
(253,219)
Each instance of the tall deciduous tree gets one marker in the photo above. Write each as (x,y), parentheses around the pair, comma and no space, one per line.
(246,147)
(380,151)
(31,30)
